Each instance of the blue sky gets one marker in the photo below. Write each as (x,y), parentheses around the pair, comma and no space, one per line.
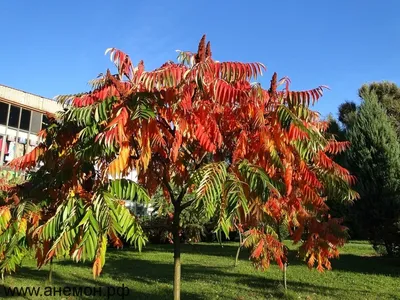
(55,47)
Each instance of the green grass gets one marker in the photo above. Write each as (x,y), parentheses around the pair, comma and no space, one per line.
(208,273)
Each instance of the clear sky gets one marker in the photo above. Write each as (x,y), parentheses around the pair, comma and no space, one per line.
(55,47)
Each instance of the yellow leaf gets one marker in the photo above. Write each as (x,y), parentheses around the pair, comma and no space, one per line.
(118,165)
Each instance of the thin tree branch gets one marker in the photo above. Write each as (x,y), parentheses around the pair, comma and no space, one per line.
(188,153)
(181,194)
(198,164)
(164,123)
(170,191)
(187,204)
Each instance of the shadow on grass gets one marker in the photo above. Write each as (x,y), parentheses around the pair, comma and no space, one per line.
(127,264)
(148,273)
(39,287)
(378,265)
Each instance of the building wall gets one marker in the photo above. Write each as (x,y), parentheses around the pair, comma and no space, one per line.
(22,116)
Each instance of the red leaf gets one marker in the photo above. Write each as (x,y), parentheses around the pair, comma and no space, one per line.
(241,146)
(176,145)
(258,250)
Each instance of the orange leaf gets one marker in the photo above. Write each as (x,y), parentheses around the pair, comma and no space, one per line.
(118,165)
(97,267)
(29,160)
(288,179)
(241,146)
(258,250)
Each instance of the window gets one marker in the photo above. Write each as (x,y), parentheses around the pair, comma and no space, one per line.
(33,143)
(22,140)
(20,150)
(45,122)
(3,113)
(25,119)
(14,116)
(36,122)
(11,138)
(2,140)
(9,153)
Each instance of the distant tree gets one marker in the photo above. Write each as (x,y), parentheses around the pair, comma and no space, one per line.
(347,113)
(374,156)
(388,95)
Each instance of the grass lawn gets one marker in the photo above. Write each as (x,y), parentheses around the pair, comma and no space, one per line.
(208,273)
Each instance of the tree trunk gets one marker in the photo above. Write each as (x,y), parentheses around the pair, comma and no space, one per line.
(51,271)
(284,276)
(278,229)
(238,250)
(178,207)
(177,255)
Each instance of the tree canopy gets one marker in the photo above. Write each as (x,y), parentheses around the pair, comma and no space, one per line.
(200,130)
(388,95)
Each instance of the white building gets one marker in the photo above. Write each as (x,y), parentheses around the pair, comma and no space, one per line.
(22,116)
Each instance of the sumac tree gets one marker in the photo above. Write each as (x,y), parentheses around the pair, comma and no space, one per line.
(200,130)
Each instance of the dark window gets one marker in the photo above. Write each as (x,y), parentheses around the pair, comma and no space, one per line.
(36,122)
(25,119)
(14,116)
(45,122)
(3,113)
